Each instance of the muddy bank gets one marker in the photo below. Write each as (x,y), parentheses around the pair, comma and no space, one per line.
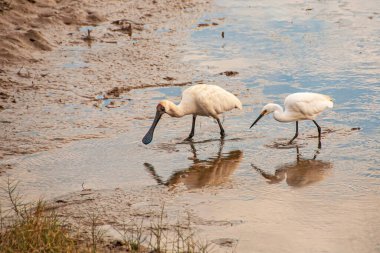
(299,196)
(118,212)
(61,59)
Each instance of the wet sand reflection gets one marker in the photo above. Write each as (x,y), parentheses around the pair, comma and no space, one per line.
(302,172)
(209,172)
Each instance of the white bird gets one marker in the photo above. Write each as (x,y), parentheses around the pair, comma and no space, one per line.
(299,106)
(198,100)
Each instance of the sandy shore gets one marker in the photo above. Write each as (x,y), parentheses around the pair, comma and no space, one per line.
(54,78)
(118,211)
(58,84)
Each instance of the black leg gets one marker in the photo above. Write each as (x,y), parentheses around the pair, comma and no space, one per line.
(192,128)
(221,128)
(220,147)
(319,134)
(295,136)
(298,154)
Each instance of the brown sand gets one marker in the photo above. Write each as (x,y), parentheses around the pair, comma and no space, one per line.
(52,72)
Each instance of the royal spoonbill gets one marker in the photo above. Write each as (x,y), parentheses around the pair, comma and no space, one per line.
(198,100)
(299,106)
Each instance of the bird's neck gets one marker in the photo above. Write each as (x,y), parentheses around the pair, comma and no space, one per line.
(280,115)
(176,110)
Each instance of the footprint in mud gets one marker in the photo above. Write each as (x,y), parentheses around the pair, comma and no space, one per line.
(229,73)
(226,242)
(5,167)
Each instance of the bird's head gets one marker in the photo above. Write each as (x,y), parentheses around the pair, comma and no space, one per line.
(164,106)
(267,109)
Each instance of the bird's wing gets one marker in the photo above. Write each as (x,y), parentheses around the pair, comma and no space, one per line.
(307,104)
(215,100)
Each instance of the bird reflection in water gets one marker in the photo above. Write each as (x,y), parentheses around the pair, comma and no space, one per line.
(302,172)
(210,172)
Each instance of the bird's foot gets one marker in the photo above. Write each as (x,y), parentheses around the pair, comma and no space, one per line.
(189,138)
(291,143)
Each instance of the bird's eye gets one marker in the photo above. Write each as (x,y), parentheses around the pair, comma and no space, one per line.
(160,108)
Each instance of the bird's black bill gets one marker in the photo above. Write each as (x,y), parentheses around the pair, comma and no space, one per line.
(149,135)
(261,115)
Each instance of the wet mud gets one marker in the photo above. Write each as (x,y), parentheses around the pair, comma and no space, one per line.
(73,126)
(57,58)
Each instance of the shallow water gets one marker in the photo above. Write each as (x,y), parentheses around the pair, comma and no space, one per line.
(289,198)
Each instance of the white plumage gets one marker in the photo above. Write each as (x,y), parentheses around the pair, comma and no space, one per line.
(198,100)
(306,105)
(299,106)
(208,100)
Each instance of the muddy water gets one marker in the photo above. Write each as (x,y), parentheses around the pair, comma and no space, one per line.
(280,198)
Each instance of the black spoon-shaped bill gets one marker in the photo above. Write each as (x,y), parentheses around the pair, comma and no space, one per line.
(258,118)
(149,135)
